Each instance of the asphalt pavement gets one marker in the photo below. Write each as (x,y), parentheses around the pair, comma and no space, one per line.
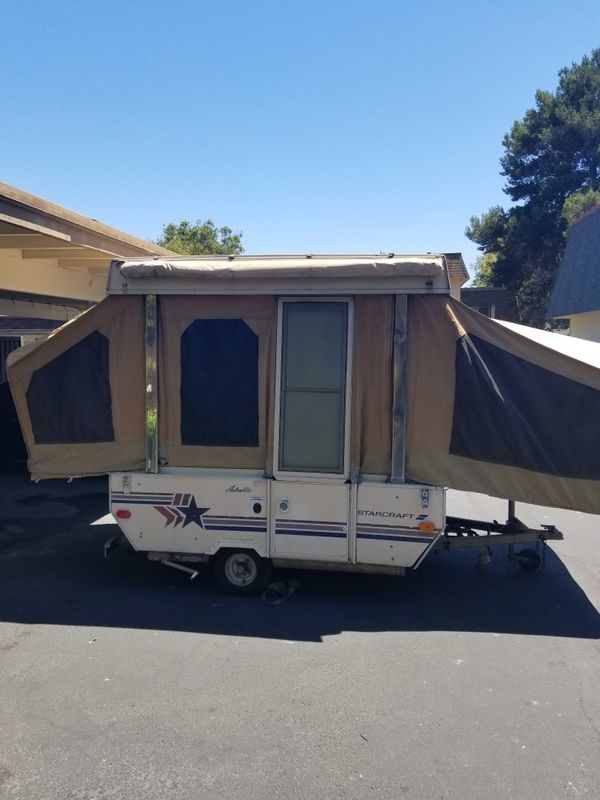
(120,678)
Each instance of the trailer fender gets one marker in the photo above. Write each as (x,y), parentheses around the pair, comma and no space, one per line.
(237,544)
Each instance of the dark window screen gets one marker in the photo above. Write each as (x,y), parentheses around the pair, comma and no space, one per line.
(510,411)
(69,398)
(219,383)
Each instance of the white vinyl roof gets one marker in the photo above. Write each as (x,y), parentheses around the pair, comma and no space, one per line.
(318,274)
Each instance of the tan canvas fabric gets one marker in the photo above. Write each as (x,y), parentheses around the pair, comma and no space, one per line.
(371,418)
(269,267)
(176,314)
(432,334)
(121,320)
(498,480)
(76,460)
(435,324)
(534,351)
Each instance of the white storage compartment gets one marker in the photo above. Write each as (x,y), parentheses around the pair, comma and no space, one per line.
(310,520)
(397,523)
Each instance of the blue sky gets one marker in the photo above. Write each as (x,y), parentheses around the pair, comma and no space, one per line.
(331,126)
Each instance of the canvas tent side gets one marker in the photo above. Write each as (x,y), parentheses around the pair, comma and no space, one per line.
(487,409)
(500,413)
(79,393)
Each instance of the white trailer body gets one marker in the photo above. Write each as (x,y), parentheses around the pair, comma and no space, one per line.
(186,512)
(308,508)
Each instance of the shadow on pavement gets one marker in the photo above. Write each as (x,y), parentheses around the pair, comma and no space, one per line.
(53,572)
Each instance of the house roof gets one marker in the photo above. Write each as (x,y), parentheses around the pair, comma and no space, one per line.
(38,224)
(577,286)
(54,261)
(503,300)
(456,267)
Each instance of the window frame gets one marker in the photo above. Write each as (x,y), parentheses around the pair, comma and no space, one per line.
(491,309)
(314,477)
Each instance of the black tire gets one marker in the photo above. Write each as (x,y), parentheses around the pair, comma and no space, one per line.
(241,572)
(529,560)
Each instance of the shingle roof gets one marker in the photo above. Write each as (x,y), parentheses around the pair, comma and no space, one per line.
(456,266)
(71,227)
(577,286)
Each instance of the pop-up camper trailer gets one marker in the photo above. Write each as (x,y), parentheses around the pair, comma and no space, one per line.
(305,411)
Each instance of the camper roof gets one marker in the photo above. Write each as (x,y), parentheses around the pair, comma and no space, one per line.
(384,273)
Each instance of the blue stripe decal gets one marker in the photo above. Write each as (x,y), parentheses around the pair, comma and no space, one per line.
(382,528)
(247,519)
(139,502)
(403,531)
(143,494)
(239,528)
(341,528)
(388,537)
(313,523)
(331,534)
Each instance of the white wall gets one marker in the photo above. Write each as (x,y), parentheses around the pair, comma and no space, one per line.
(47,277)
(455,286)
(586,326)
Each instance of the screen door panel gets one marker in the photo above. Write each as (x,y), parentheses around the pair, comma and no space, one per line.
(313,387)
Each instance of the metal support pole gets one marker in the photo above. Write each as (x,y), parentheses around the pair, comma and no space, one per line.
(151,385)
(511,510)
(399,389)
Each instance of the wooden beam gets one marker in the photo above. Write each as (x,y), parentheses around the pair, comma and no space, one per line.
(23,308)
(20,208)
(11,241)
(32,225)
(80,253)
(46,278)
(44,299)
(78,263)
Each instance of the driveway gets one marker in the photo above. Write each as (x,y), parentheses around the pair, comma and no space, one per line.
(123,679)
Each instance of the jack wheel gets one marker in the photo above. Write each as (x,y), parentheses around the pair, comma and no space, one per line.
(528,560)
(241,572)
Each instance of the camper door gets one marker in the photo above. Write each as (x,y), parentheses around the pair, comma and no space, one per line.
(311,493)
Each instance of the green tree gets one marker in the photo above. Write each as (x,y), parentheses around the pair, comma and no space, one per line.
(484,268)
(551,155)
(578,203)
(201,238)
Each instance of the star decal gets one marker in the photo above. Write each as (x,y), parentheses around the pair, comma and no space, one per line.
(182,508)
(192,513)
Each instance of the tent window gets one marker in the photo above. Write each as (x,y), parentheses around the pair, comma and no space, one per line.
(219,384)
(510,411)
(69,398)
(313,387)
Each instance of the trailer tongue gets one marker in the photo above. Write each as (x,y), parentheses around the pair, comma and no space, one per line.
(460,533)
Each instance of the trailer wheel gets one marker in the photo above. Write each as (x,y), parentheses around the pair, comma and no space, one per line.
(241,571)
(529,560)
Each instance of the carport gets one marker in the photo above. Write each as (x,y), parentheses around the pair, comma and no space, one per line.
(53,265)
(53,261)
